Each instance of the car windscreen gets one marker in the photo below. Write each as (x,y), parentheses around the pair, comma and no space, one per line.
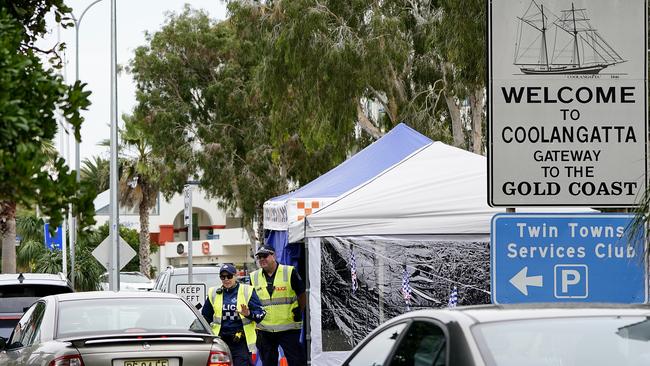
(133,278)
(7,326)
(32,290)
(582,341)
(89,317)
(16,305)
(209,279)
(17,298)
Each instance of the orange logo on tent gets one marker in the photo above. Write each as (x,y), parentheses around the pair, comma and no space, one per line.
(307,208)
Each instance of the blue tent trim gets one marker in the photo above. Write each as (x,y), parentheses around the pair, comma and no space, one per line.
(392,148)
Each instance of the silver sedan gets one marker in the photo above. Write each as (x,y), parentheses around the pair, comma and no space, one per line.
(511,335)
(113,328)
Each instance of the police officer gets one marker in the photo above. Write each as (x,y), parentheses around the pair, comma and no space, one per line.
(282,293)
(231,310)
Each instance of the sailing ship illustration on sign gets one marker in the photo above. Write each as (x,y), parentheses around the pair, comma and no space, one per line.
(548,44)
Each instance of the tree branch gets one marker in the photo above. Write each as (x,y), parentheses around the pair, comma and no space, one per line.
(365,123)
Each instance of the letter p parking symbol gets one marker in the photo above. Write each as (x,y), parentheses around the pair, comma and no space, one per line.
(571,281)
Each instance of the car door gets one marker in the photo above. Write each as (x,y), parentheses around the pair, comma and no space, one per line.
(25,338)
(376,350)
(424,344)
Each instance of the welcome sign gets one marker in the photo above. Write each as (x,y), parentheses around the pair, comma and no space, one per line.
(567,102)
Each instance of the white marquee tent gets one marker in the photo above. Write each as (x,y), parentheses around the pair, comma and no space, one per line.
(425,219)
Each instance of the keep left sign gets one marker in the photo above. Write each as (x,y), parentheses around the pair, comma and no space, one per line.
(193,293)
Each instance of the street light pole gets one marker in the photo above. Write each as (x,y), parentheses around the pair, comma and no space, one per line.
(73,223)
(114,282)
(187,193)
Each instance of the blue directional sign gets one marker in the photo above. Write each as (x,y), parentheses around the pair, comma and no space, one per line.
(53,242)
(567,258)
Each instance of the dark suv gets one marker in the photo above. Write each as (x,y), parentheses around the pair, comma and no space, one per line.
(19,291)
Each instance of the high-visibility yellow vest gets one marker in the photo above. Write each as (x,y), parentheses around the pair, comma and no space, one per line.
(279,307)
(244,294)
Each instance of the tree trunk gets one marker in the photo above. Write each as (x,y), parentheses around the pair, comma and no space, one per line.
(366,124)
(476,105)
(248,225)
(8,231)
(145,260)
(260,223)
(456,122)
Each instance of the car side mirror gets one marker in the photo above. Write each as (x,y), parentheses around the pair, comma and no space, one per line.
(3,343)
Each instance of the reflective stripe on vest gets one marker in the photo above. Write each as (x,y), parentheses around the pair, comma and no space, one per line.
(244,294)
(279,306)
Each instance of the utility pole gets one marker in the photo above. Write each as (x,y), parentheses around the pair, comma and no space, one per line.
(114,271)
(74,222)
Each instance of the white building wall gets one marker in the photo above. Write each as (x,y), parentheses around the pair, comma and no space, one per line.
(228,245)
(168,210)
(232,246)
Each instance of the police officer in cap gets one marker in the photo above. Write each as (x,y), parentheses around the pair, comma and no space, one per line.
(282,293)
(232,311)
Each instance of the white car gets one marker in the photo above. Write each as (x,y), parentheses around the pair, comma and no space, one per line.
(129,281)
(511,335)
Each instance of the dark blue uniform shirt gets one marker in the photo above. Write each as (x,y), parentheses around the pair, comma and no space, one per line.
(230,320)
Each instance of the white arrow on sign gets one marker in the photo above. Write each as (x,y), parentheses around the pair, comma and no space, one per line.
(521,281)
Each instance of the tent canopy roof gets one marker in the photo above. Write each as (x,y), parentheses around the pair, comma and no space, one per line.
(393,147)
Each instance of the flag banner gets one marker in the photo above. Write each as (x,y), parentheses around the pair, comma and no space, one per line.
(353,271)
(453,298)
(406,289)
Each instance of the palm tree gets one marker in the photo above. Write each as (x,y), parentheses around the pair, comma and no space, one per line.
(96,171)
(10,225)
(30,229)
(33,257)
(139,183)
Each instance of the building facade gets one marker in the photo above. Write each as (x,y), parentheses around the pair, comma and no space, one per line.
(216,236)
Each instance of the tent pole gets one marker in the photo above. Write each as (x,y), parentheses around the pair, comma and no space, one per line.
(381,279)
(306,324)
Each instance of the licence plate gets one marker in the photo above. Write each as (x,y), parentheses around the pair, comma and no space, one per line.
(159,362)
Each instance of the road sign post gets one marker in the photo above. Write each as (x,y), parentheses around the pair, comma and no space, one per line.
(188,221)
(567,258)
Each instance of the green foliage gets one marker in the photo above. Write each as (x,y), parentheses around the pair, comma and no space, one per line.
(31,15)
(459,40)
(199,111)
(32,247)
(96,171)
(131,236)
(29,98)
(324,59)
(33,257)
(321,60)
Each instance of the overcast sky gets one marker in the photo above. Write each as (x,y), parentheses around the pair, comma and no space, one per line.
(134,17)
